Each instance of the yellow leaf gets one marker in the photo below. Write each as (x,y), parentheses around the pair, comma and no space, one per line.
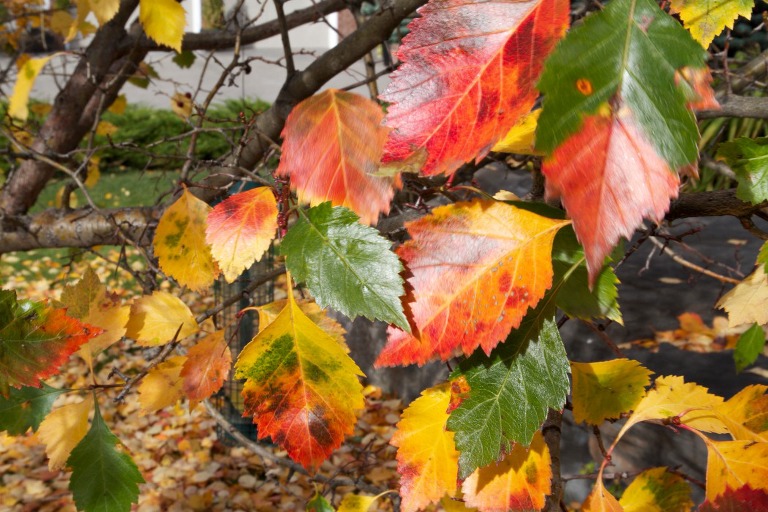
(673,397)
(83,9)
(58,200)
(705,20)
(104,10)
(118,106)
(181,104)
(60,22)
(747,303)
(92,178)
(734,464)
(302,388)
(607,389)
(269,312)
(155,319)
(453,505)
(356,503)
(427,459)
(17,105)
(180,243)
(62,429)
(163,21)
(40,109)
(746,414)
(162,386)
(600,500)
(521,481)
(521,138)
(105,128)
(89,301)
(657,490)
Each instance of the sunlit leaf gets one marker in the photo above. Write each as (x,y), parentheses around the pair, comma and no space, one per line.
(356,503)
(657,490)
(206,367)
(17,103)
(104,10)
(302,388)
(162,386)
(746,302)
(750,345)
(163,21)
(268,313)
(521,138)
(63,429)
(600,500)
(25,408)
(345,265)
(607,389)
(520,481)
(240,230)
(468,74)
(181,105)
(749,160)
(705,20)
(745,414)
(332,144)
(180,243)
(734,464)
(155,319)
(427,459)
(475,270)
(738,500)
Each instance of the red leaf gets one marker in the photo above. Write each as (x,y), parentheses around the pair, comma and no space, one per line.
(469,73)
(476,269)
(610,179)
(738,500)
(332,145)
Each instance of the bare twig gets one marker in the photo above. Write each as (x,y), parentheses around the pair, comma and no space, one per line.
(682,261)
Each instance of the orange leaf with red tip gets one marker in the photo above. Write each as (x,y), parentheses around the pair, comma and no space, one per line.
(332,144)
(35,340)
(475,270)
(240,230)
(469,73)
(610,178)
(206,367)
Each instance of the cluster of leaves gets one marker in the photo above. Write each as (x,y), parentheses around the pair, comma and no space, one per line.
(616,130)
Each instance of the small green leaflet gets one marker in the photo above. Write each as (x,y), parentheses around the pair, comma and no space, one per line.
(26,408)
(346,266)
(510,391)
(103,478)
(748,347)
(629,51)
(184,59)
(318,504)
(762,256)
(749,160)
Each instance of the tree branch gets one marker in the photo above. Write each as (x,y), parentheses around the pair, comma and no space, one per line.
(738,106)
(711,204)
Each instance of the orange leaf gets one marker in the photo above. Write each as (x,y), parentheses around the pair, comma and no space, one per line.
(521,481)
(600,500)
(475,268)
(332,146)
(734,464)
(469,73)
(206,367)
(427,459)
(240,230)
(610,179)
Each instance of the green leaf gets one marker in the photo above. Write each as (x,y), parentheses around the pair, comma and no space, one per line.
(762,256)
(319,504)
(750,345)
(184,59)
(510,391)
(749,160)
(346,266)
(572,282)
(26,408)
(103,478)
(630,51)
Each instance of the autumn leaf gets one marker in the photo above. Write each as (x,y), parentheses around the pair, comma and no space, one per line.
(25,408)
(673,397)
(162,386)
(747,157)
(302,388)
(476,268)
(206,367)
(749,345)
(738,500)
(268,313)
(104,10)
(240,230)
(180,243)
(63,429)
(510,391)
(427,459)
(181,105)
(103,478)
(520,481)
(163,21)
(600,500)
(705,20)
(521,138)
(35,340)
(357,502)
(610,179)
(657,490)
(345,265)
(17,103)
(745,414)
(734,464)
(318,503)
(746,302)
(607,389)
(89,301)
(155,319)
(468,74)
(332,144)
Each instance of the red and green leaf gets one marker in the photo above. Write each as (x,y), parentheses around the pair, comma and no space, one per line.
(468,75)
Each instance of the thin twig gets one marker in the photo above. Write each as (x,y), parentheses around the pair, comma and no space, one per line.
(682,261)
